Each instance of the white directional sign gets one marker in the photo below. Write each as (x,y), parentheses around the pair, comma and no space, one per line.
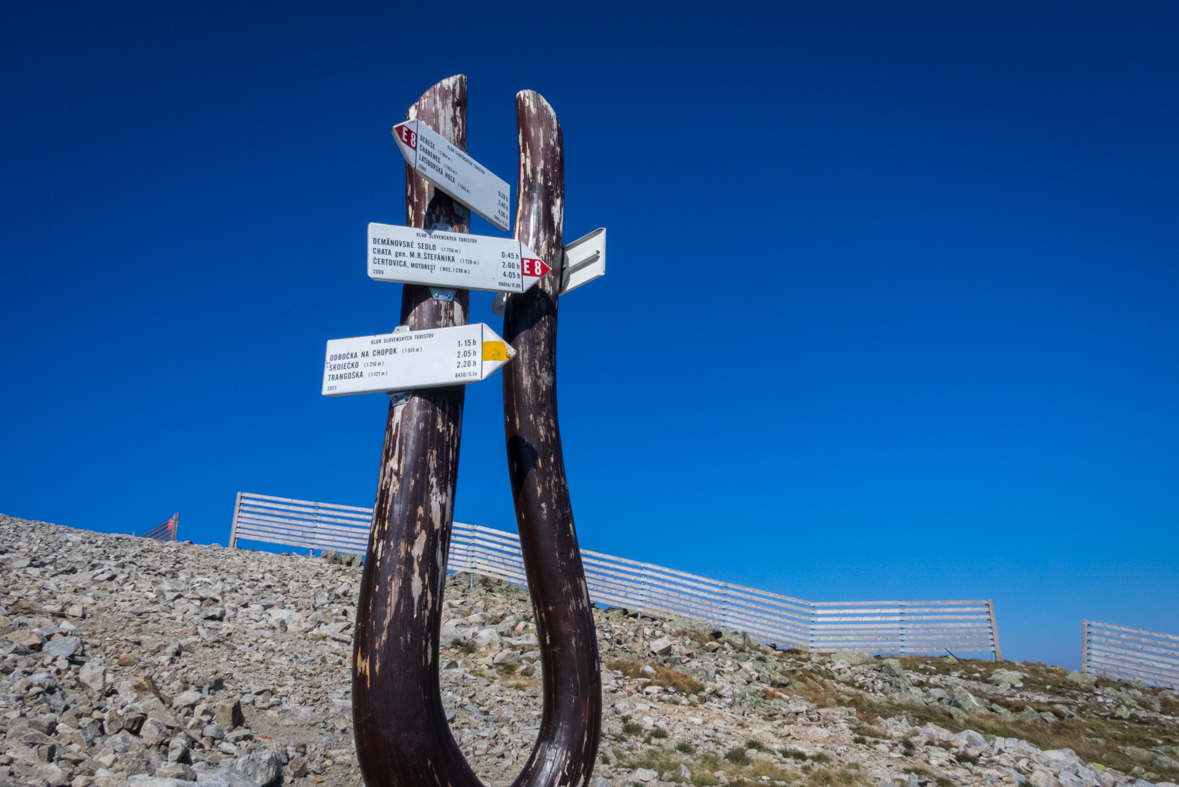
(404,360)
(454,172)
(583,260)
(448,259)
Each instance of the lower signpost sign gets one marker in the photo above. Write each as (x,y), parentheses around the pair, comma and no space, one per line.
(405,360)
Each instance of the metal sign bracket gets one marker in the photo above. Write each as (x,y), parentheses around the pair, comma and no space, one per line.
(499,304)
(442,294)
(399,397)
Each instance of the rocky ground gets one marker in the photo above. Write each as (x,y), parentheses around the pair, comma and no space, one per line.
(129,662)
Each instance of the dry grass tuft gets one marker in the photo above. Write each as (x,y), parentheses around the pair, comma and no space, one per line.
(664,676)
(1094,739)
(845,777)
(814,689)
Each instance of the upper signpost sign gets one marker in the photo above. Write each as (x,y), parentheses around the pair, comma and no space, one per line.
(448,259)
(454,172)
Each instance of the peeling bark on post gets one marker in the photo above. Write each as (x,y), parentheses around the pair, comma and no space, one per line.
(572,710)
(401,732)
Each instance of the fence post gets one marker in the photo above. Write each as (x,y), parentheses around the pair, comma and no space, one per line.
(175,525)
(996,653)
(810,645)
(642,588)
(471,553)
(237,509)
(724,605)
(904,630)
(315,527)
(1084,646)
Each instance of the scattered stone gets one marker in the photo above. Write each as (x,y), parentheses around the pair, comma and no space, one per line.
(1002,677)
(154,732)
(1083,678)
(258,769)
(228,715)
(892,669)
(962,699)
(202,667)
(27,639)
(662,646)
(186,699)
(850,657)
(298,767)
(177,750)
(62,647)
(157,781)
(93,676)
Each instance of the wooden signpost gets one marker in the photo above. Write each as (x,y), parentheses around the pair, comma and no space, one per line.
(572,712)
(402,737)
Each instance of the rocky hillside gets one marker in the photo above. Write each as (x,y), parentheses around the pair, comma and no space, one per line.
(128,662)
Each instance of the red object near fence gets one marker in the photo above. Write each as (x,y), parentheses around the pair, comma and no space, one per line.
(166,531)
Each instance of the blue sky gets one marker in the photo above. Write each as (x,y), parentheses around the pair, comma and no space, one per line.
(890,311)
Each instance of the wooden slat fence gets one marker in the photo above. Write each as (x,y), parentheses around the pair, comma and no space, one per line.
(904,627)
(299,523)
(166,531)
(1130,654)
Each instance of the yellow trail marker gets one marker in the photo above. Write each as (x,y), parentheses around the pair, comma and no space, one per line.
(497,351)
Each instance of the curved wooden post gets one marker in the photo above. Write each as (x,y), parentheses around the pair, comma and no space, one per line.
(400,725)
(572,707)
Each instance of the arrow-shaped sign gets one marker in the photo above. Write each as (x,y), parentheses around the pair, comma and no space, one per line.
(404,360)
(448,259)
(454,172)
(583,260)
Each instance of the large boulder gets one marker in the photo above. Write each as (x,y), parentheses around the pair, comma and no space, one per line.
(850,657)
(228,714)
(186,699)
(1083,678)
(962,699)
(662,646)
(256,769)
(1003,677)
(93,676)
(63,647)
(157,781)
(892,669)
(451,632)
(26,638)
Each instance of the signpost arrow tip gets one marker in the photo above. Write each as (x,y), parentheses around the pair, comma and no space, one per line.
(535,267)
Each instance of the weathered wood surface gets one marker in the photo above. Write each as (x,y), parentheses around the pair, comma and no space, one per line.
(572,706)
(402,737)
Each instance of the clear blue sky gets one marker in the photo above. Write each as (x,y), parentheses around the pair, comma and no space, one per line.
(922,342)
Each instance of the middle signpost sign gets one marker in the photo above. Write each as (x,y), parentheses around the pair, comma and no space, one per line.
(448,259)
